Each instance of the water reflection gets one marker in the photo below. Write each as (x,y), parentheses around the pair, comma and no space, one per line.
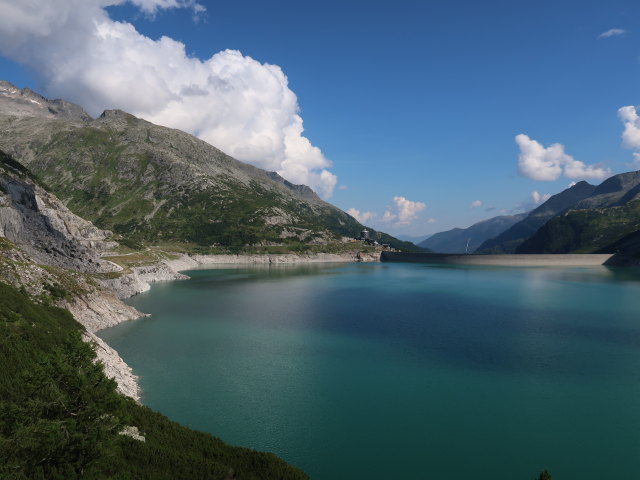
(393,367)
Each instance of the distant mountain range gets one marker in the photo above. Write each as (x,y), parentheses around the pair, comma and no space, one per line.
(509,240)
(149,183)
(581,219)
(463,240)
(607,221)
(584,218)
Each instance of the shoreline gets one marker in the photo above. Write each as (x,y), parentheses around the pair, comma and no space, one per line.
(113,311)
(97,313)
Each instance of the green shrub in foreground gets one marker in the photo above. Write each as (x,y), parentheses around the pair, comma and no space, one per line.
(60,417)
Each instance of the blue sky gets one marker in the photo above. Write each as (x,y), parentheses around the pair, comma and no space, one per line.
(421,101)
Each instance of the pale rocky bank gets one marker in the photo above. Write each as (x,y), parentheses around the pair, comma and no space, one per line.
(103,311)
(61,258)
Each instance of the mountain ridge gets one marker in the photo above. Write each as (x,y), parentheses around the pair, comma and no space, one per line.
(155,184)
(510,239)
(607,221)
(463,240)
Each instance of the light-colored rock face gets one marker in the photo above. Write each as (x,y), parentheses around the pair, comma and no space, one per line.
(47,233)
(26,103)
(138,281)
(133,432)
(45,229)
(100,309)
(187,262)
(115,367)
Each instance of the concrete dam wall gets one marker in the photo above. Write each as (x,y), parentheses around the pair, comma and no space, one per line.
(520,260)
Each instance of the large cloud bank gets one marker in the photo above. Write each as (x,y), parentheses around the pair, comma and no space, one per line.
(549,163)
(232,101)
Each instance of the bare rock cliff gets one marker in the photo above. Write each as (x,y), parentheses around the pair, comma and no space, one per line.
(47,230)
(53,254)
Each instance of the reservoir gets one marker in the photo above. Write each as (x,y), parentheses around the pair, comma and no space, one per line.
(383,370)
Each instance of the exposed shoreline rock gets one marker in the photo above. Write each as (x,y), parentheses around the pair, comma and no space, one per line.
(188,262)
(115,367)
(46,233)
(94,307)
(105,308)
(139,280)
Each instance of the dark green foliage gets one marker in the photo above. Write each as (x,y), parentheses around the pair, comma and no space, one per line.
(544,476)
(57,291)
(55,417)
(60,416)
(6,244)
(628,246)
(64,424)
(585,231)
(173,452)
(509,240)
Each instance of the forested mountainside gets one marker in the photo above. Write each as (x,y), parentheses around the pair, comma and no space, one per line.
(509,240)
(606,220)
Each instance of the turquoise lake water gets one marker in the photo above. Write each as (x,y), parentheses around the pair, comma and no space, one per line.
(379,371)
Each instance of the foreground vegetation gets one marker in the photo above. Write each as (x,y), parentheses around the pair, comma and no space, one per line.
(61,418)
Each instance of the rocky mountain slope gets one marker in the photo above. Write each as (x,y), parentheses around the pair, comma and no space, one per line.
(26,102)
(46,229)
(153,184)
(607,221)
(455,240)
(54,256)
(594,230)
(510,239)
(614,191)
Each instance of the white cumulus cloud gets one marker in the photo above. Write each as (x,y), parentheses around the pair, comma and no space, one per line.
(537,198)
(612,33)
(361,217)
(476,204)
(548,163)
(631,133)
(230,100)
(403,211)
(631,121)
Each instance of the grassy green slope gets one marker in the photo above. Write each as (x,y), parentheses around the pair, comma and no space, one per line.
(585,231)
(153,184)
(60,416)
